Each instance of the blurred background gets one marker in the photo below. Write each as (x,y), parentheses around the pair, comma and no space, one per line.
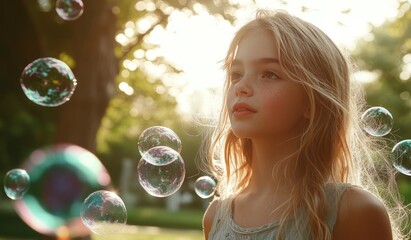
(143,63)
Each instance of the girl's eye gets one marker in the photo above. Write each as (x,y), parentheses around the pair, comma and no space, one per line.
(234,76)
(269,75)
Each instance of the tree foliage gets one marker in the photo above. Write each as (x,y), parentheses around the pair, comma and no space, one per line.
(32,29)
(386,52)
(151,102)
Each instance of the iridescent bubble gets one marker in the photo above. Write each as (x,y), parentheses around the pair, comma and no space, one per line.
(401,157)
(158,136)
(161,180)
(16,183)
(205,187)
(69,9)
(377,121)
(161,155)
(103,212)
(61,177)
(48,82)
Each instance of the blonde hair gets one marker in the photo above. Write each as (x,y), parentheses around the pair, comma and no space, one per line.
(333,146)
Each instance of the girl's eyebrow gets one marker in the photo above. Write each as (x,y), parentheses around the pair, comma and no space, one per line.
(257,62)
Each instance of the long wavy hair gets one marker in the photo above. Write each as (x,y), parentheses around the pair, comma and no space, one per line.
(333,146)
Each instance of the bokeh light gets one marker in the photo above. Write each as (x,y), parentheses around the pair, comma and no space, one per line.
(16,183)
(161,180)
(69,10)
(103,212)
(401,156)
(48,82)
(205,187)
(158,136)
(61,177)
(377,121)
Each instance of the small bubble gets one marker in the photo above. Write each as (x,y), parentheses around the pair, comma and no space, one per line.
(16,183)
(401,157)
(161,180)
(377,121)
(205,187)
(69,10)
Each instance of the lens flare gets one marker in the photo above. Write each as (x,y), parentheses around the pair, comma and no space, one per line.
(61,177)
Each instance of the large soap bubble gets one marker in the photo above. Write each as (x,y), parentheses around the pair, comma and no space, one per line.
(161,155)
(61,177)
(161,180)
(103,212)
(48,82)
(158,136)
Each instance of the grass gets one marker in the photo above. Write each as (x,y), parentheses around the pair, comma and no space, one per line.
(130,232)
(183,219)
(180,225)
(151,233)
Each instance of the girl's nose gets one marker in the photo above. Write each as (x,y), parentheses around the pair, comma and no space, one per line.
(243,87)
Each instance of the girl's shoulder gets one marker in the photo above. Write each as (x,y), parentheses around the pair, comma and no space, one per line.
(209,215)
(361,215)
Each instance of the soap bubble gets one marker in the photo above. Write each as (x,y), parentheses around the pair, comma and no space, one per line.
(103,212)
(377,121)
(161,155)
(401,157)
(16,183)
(61,177)
(48,82)
(161,180)
(69,9)
(158,136)
(205,187)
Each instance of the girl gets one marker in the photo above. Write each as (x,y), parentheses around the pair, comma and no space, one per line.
(294,162)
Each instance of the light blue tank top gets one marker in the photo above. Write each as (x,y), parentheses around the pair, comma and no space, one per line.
(224,227)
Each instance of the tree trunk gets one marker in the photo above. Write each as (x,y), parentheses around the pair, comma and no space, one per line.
(95,70)
(19,45)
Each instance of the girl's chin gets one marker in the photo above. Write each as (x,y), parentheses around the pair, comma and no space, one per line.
(244,133)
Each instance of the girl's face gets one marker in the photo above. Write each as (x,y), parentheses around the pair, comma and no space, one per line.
(261,102)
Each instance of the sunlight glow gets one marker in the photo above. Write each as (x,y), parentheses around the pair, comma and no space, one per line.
(122,39)
(406,67)
(127,89)
(366,76)
(196,44)
(129,32)
(131,65)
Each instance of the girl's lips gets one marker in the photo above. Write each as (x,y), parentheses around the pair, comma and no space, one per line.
(241,110)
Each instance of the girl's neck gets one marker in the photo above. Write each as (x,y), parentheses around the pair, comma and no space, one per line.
(268,158)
